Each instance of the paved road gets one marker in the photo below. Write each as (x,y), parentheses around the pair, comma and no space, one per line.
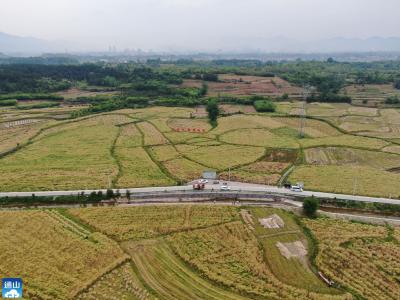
(236,187)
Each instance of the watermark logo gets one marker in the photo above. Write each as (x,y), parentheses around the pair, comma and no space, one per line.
(11,288)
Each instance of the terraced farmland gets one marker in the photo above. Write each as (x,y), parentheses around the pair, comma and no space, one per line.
(363,258)
(160,146)
(51,255)
(194,252)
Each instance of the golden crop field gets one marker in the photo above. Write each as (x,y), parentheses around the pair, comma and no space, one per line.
(210,249)
(70,159)
(259,137)
(344,179)
(151,135)
(184,169)
(121,283)
(225,156)
(193,124)
(129,137)
(359,257)
(55,259)
(152,221)
(139,147)
(245,121)
(138,170)
(164,152)
(345,140)
(194,252)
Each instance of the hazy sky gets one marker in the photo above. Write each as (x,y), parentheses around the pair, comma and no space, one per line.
(200,24)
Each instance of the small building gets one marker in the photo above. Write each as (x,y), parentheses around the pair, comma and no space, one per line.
(210,174)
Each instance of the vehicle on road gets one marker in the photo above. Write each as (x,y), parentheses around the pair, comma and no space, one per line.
(225,188)
(198,185)
(203,181)
(296,188)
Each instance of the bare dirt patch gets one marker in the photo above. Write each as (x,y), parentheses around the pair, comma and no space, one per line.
(230,84)
(273,221)
(229,109)
(295,249)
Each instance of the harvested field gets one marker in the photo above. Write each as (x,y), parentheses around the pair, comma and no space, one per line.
(229,109)
(344,140)
(200,112)
(266,167)
(281,155)
(347,156)
(230,84)
(11,137)
(372,95)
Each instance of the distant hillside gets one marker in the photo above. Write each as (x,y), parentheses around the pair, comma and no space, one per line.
(11,44)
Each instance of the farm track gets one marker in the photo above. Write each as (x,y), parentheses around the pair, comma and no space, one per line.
(169,278)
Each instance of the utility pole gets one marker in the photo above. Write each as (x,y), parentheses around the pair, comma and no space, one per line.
(229,174)
(303,112)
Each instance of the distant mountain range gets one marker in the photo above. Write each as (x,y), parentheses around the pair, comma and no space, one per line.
(12,45)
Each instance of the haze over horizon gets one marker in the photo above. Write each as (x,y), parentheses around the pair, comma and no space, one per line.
(202,25)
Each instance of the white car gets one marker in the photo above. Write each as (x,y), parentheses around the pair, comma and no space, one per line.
(225,188)
(203,181)
(296,188)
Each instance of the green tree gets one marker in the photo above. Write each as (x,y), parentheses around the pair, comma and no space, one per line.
(264,106)
(213,111)
(110,194)
(310,206)
(203,90)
